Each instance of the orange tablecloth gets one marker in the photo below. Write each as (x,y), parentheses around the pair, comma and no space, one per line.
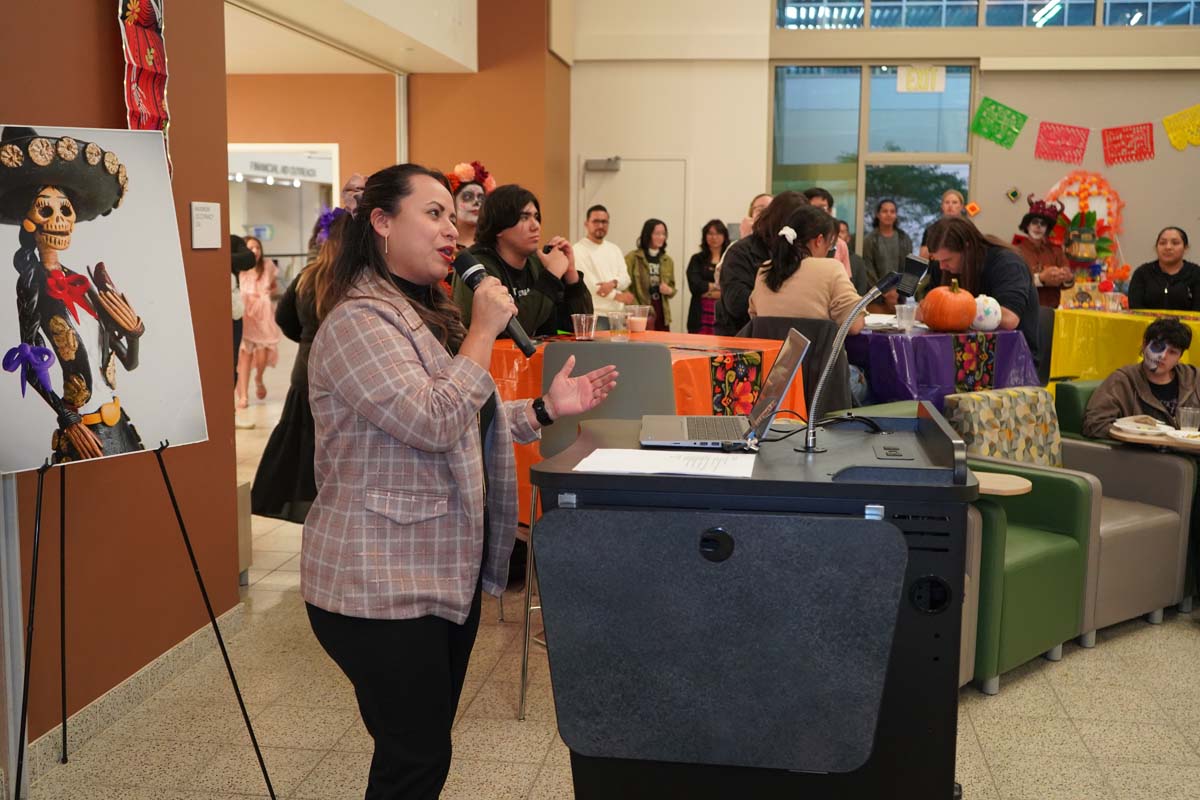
(691,357)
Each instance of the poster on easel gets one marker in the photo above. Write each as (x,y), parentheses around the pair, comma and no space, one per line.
(99,355)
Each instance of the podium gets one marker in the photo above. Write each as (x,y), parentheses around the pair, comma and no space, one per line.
(794,634)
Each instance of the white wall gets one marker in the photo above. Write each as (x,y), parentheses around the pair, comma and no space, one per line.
(673,29)
(446,26)
(711,114)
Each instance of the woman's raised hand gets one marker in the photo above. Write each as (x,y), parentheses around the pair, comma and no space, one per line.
(575,395)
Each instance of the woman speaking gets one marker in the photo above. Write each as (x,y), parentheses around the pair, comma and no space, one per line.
(416,482)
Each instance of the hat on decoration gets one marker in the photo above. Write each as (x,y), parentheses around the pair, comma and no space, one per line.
(464,173)
(1047,212)
(94,180)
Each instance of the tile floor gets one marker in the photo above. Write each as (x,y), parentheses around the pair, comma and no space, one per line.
(1119,721)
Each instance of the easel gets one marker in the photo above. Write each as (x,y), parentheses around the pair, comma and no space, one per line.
(62,566)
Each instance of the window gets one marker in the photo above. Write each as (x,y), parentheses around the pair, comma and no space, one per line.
(805,14)
(1153,12)
(915,14)
(1040,13)
(919,122)
(816,133)
(917,191)
(917,142)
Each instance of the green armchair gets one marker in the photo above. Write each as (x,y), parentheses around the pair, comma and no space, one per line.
(1032,569)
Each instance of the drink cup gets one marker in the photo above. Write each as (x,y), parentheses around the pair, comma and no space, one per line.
(585,326)
(618,325)
(639,316)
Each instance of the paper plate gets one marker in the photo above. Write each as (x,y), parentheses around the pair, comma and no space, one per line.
(1184,436)
(1141,428)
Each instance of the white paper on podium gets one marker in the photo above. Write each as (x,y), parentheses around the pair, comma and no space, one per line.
(668,462)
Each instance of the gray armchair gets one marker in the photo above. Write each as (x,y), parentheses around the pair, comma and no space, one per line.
(1139,564)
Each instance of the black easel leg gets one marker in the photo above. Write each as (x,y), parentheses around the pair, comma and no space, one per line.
(187,542)
(62,599)
(33,576)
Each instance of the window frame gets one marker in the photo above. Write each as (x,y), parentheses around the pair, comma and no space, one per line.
(1099,19)
(866,157)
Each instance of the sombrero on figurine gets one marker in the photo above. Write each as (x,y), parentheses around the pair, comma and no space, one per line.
(93,179)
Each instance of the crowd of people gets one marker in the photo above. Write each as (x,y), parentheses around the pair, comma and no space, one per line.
(395,451)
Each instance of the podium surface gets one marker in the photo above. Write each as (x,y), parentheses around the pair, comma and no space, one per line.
(760,637)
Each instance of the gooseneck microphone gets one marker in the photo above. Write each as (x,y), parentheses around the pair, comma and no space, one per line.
(471,272)
(885,285)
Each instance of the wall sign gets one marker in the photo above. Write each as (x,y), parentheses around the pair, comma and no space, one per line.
(920,78)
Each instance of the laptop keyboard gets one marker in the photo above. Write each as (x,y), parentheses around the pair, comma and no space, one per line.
(703,429)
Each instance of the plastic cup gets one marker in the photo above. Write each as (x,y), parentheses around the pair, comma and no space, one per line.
(618,325)
(585,327)
(1188,418)
(906,316)
(639,317)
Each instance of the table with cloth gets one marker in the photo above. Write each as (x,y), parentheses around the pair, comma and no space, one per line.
(714,375)
(1091,345)
(928,366)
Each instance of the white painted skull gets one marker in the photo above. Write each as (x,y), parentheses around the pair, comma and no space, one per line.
(53,218)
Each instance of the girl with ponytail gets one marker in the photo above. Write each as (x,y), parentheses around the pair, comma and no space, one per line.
(799,280)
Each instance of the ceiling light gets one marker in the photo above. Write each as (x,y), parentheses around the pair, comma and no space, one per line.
(239,177)
(270,180)
(296,182)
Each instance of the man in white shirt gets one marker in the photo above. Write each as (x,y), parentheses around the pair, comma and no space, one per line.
(602,265)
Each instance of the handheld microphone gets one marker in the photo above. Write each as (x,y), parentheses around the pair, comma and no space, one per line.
(471,272)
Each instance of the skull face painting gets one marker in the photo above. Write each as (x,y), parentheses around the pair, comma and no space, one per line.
(47,186)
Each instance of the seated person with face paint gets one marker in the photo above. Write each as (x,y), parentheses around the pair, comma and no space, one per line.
(1157,387)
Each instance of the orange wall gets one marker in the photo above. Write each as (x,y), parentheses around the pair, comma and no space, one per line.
(358,112)
(130,591)
(513,114)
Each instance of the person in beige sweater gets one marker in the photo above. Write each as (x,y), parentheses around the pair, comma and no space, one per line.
(799,281)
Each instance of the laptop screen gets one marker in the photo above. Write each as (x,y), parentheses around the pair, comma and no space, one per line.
(778,381)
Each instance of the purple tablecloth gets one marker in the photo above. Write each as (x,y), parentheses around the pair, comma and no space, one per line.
(929,366)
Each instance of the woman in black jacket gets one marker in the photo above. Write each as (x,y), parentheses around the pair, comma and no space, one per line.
(739,266)
(702,277)
(284,485)
(1169,282)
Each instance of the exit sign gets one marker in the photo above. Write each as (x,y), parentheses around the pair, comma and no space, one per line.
(921,78)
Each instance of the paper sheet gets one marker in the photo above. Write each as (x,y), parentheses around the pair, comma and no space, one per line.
(669,462)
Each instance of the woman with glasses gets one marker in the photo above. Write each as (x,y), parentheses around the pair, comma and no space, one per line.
(545,286)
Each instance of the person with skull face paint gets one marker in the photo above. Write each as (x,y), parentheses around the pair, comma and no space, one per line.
(47,186)
(1047,261)
(1156,387)
(469,184)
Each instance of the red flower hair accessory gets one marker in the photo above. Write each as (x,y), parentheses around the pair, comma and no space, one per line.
(474,172)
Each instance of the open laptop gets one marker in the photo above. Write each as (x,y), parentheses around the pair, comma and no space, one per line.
(726,433)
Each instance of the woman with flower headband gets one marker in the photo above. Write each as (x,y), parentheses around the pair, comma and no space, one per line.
(469,184)
(284,486)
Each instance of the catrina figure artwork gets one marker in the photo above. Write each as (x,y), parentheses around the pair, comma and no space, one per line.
(87,306)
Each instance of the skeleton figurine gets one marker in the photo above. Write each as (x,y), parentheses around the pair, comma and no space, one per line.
(61,182)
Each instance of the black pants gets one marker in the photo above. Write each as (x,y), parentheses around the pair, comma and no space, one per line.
(237,345)
(408,675)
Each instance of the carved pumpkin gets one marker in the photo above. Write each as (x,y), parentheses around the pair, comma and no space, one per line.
(948,308)
(987,313)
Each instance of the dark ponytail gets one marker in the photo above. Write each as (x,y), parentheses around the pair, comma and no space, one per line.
(808,222)
(361,255)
